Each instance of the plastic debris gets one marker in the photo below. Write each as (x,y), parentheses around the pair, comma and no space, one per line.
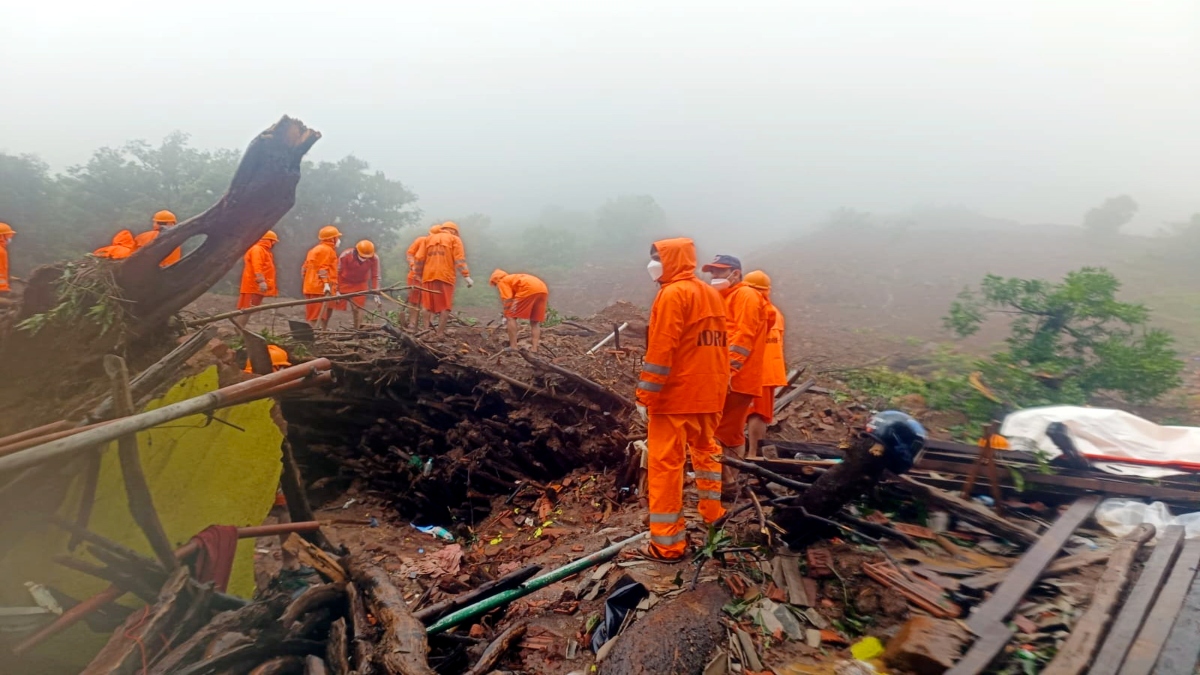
(867,648)
(435,530)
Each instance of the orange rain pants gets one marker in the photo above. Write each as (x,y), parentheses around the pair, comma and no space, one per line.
(671,438)
(317,311)
(731,432)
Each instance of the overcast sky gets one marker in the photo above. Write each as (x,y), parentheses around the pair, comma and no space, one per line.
(734,114)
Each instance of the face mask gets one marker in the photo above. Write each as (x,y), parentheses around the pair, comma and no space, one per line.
(655,269)
(337,243)
(719,283)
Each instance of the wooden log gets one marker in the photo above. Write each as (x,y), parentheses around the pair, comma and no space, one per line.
(1075,655)
(337,648)
(137,490)
(971,511)
(250,617)
(315,558)
(291,482)
(314,665)
(122,655)
(1141,599)
(313,598)
(250,654)
(584,382)
(262,191)
(432,613)
(364,642)
(786,400)
(280,665)
(403,646)
(496,649)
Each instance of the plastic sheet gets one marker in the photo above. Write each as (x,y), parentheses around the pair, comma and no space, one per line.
(623,599)
(1121,516)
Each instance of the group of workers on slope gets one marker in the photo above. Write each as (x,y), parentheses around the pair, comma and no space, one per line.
(124,243)
(714,357)
(433,261)
(326,273)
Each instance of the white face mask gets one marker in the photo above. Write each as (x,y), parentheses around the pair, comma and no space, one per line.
(719,283)
(337,243)
(655,269)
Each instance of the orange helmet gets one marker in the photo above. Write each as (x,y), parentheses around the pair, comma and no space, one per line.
(497,276)
(328,232)
(758,280)
(451,226)
(164,217)
(5,228)
(270,236)
(365,248)
(279,357)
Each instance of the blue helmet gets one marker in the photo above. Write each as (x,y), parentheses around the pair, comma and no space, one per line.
(901,436)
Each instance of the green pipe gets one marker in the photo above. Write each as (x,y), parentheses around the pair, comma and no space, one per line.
(488,604)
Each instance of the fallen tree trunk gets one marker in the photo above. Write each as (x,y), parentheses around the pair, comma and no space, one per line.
(403,647)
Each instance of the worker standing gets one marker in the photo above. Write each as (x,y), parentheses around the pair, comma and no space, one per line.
(123,245)
(258,275)
(358,270)
(762,411)
(320,274)
(523,296)
(746,318)
(6,235)
(162,219)
(680,394)
(414,280)
(439,256)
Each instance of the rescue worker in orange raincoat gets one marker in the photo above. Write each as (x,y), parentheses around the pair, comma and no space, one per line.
(746,317)
(414,280)
(680,394)
(279,359)
(762,411)
(258,275)
(6,235)
(523,296)
(439,256)
(358,270)
(123,245)
(161,219)
(320,276)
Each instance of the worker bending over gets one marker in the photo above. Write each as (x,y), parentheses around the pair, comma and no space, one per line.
(358,270)
(123,245)
(162,219)
(258,275)
(414,280)
(680,394)
(320,273)
(746,319)
(6,235)
(439,256)
(762,411)
(523,296)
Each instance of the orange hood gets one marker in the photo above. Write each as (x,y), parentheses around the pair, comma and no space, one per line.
(497,276)
(678,258)
(124,238)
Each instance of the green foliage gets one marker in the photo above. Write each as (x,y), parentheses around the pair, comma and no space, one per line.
(85,291)
(1110,216)
(1068,340)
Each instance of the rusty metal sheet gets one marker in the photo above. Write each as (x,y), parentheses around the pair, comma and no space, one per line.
(1141,598)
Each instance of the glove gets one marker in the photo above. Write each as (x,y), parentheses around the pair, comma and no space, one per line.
(328,290)
(642,413)
(262,286)
(470,282)
(378,300)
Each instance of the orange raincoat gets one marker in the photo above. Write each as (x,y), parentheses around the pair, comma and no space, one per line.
(437,259)
(123,245)
(524,295)
(746,314)
(258,266)
(143,240)
(774,367)
(414,293)
(685,375)
(320,268)
(4,287)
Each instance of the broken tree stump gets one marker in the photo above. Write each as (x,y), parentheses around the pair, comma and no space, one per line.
(674,637)
(148,626)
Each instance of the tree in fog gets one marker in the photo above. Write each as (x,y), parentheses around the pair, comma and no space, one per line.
(28,196)
(1110,216)
(629,220)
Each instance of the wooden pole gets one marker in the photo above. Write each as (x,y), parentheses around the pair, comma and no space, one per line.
(137,490)
(287,303)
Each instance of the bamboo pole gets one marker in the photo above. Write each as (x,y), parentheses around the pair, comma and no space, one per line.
(220,398)
(287,303)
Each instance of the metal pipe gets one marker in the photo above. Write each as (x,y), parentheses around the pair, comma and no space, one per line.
(610,337)
(134,423)
(505,597)
(32,441)
(35,432)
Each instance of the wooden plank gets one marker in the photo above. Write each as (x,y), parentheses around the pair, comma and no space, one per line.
(1075,655)
(985,650)
(1141,598)
(1143,654)
(972,511)
(1182,651)
(1027,570)
(1059,567)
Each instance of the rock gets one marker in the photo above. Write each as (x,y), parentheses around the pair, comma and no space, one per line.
(926,646)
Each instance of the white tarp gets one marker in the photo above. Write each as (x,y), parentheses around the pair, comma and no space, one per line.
(1101,431)
(1120,516)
